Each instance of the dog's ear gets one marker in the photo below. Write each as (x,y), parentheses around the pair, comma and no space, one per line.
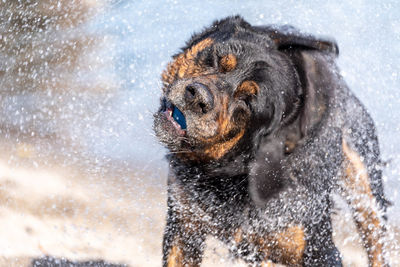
(313,62)
(310,56)
(287,37)
(313,59)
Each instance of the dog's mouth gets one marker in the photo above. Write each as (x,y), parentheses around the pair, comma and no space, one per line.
(175,116)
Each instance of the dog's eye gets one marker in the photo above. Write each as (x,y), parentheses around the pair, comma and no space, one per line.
(209,60)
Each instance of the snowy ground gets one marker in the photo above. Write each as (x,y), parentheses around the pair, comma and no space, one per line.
(98,191)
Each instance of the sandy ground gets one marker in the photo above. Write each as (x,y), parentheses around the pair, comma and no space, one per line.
(111,211)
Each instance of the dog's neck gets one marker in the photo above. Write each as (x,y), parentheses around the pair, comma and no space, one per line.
(223,181)
(230,165)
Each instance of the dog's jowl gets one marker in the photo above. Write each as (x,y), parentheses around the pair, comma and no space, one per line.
(261,130)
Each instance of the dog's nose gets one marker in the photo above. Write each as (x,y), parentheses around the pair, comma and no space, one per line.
(198,98)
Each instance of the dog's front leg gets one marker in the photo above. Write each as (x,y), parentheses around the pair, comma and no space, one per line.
(183,243)
(357,191)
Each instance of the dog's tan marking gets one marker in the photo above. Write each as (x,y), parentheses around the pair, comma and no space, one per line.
(184,64)
(247,88)
(286,247)
(175,257)
(290,146)
(292,244)
(223,142)
(227,63)
(217,150)
(267,263)
(359,195)
(238,236)
(224,120)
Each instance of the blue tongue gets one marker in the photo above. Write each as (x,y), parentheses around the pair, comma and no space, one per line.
(179,118)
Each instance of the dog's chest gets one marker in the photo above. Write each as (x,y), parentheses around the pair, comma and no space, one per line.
(251,233)
(225,210)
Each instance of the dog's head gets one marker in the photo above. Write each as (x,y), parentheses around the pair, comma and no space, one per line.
(229,79)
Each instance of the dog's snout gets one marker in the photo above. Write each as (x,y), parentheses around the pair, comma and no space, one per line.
(198,98)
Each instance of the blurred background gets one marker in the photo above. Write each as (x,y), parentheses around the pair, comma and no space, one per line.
(81,174)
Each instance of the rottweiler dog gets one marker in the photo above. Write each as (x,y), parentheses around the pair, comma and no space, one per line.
(261,131)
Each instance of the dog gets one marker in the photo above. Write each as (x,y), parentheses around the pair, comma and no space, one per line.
(261,130)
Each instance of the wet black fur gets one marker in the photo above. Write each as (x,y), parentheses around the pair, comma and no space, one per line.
(259,185)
